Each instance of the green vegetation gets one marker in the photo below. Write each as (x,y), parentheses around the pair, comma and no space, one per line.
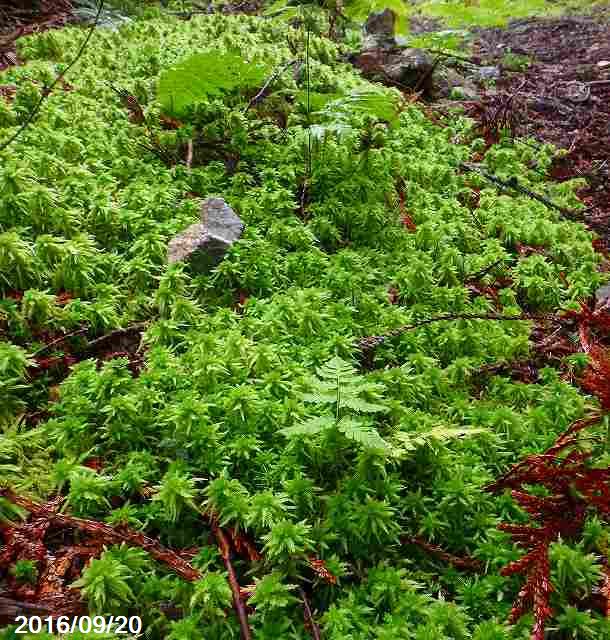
(256,412)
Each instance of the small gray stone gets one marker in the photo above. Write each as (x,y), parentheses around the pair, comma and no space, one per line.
(487,73)
(381,23)
(409,67)
(204,244)
(602,295)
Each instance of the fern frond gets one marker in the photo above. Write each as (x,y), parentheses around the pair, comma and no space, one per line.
(412,441)
(319,397)
(364,435)
(360,406)
(309,427)
(337,369)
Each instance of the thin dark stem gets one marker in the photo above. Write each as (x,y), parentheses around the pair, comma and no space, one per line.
(225,551)
(466,563)
(47,92)
(370,342)
(77,332)
(514,184)
(315,630)
(272,78)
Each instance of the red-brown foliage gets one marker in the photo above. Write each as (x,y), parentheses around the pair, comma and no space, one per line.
(573,490)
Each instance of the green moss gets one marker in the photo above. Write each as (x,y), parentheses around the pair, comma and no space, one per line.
(230,354)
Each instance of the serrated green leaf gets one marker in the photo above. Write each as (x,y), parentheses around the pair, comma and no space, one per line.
(309,427)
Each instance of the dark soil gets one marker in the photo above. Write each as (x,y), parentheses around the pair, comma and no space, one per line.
(19,18)
(563,97)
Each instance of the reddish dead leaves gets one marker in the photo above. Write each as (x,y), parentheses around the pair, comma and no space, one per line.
(573,490)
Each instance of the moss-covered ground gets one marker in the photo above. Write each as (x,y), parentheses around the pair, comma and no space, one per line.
(353,231)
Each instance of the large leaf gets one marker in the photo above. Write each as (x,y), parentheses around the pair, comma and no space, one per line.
(204,76)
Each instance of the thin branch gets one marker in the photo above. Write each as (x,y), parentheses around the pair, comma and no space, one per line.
(109,534)
(466,564)
(225,551)
(48,346)
(189,155)
(47,92)
(311,624)
(117,333)
(371,342)
(513,183)
(477,275)
(272,78)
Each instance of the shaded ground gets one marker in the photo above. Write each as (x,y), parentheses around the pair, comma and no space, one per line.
(563,97)
(16,22)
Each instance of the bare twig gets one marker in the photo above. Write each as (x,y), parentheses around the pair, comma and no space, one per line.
(47,92)
(513,183)
(109,534)
(59,340)
(310,622)
(113,335)
(371,342)
(477,275)
(272,78)
(225,551)
(189,155)
(466,564)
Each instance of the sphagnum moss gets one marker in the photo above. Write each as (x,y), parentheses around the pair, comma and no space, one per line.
(205,423)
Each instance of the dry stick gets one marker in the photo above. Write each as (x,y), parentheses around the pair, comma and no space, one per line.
(225,551)
(514,184)
(111,535)
(483,272)
(117,333)
(59,340)
(370,342)
(276,74)
(57,80)
(315,630)
(189,155)
(468,564)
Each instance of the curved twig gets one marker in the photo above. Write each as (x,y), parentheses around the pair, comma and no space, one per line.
(47,92)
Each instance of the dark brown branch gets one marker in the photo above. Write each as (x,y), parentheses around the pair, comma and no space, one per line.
(465,564)
(109,534)
(225,551)
(47,92)
(94,345)
(272,78)
(371,342)
(513,183)
(59,340)
(309,621)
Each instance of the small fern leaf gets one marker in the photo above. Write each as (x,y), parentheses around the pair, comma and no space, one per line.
(366,436)
(412,441)
(309,427)
(337,369)
(319,398)
(361,406)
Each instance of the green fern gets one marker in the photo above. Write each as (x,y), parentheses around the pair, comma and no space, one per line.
(203,76)
(339,387)
(412,441)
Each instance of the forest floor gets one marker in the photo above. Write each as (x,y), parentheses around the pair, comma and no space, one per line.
(171,413)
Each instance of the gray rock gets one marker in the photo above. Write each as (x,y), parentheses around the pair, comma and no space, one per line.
(602,296)
(205,244)
(445,80)
(379,31)
(381,23)
(487,73)
(409,68)
(464,92)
